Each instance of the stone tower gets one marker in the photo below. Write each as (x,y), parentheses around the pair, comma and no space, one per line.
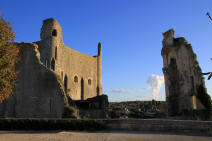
(182,74)
(51,39)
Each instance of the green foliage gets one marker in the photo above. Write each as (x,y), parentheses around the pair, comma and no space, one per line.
(197,114)
(51,124)
(8,59)
(209,75)
(114,114)
(161,114)
(70,112)
(204,97)
(136,115)
(202,114)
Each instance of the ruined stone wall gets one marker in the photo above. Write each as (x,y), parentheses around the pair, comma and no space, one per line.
(182,74)
(38,92)
(160,125)
(78,72)
(49,72)
(96,107)
(79,69)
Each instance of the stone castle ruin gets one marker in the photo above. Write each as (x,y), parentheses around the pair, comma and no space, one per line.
(50,74)
(182,73)
(80,73)
(52,77)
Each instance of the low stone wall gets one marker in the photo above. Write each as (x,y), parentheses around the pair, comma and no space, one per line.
(157,125)
(96,107)
(161,125)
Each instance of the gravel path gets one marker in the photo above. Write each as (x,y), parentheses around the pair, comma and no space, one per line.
(96,136)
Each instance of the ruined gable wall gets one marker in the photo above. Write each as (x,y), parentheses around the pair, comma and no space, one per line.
(182,73)
(38,92)
(74,63)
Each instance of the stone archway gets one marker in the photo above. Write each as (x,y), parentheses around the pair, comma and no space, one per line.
(53,64)
(66,84)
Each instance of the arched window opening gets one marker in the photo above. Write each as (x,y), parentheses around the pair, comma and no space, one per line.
(82,89)
(66,83)
(54,32)
(89,81)
(53,64)
(75,79)
(55,53)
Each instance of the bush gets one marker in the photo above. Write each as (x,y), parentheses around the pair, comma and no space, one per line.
(197,114)
(71,112)
(114,114)
(136,115)
(202,114)
(204,97)
(50,124)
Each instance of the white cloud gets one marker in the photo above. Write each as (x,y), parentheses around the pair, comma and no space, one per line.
(121,91)
(155,82)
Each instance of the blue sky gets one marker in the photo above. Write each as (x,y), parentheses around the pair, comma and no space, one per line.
(130,32)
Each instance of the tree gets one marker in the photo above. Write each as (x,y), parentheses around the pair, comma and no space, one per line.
(208,73)
(8,58)
(209,16)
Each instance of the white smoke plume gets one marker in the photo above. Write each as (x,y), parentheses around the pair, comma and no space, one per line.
(155,82)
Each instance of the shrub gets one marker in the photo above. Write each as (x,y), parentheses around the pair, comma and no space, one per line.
(204,97)
(114,114)
(197,114)
(50,124)
(202,114)
(136,115)
(70,112)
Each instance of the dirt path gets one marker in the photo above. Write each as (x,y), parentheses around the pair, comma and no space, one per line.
(96,136)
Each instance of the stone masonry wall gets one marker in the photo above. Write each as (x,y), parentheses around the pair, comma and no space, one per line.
(78,71)
(161,125)
(182,74)
(51,73)
(38,93)
(84,67)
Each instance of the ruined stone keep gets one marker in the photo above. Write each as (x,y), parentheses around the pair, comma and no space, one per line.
(50,74)
(80,73)
(182,74)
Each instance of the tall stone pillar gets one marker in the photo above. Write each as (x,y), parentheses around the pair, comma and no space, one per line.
(99,70)
(182,74)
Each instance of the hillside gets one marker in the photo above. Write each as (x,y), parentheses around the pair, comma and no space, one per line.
(137,109)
